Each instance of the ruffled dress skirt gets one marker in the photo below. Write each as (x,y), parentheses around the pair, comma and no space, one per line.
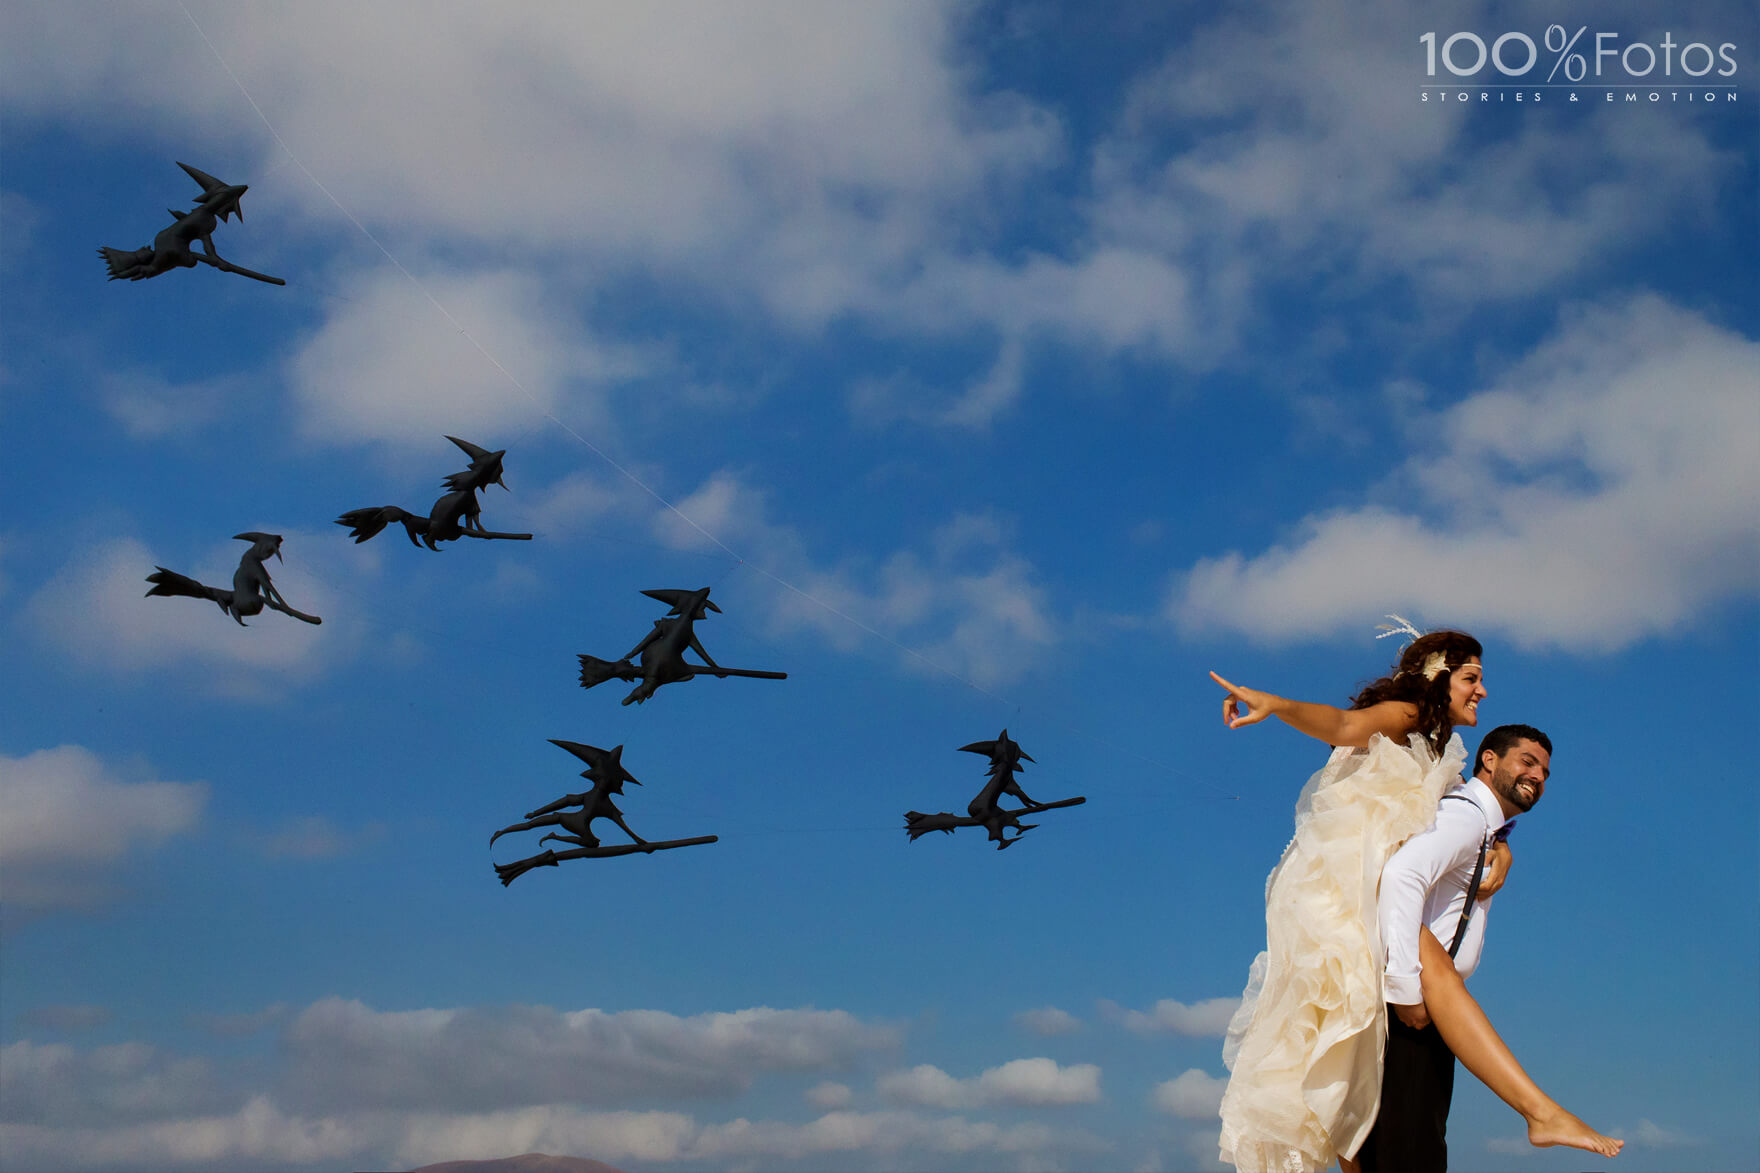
(1304,1049)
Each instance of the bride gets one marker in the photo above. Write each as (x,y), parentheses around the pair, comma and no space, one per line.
(1304,1049)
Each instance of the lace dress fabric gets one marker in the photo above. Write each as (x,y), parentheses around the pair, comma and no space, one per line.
(1304,1049)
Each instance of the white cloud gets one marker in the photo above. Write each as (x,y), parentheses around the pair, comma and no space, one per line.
(966,606)
(807,162)
(811,162)
(1197,1019)
(314,837)
(1601,492)
(386,364)
(884,1133)
(1301,151)
(427,1138)
(575,502)
(1037,1082)
(56,1085)
(96,608)
(1041,1082)
(343,1053)
(795,149)
(927,1086)
(1650,1135)
(828,1095)
(149,406)
(65,821)
(1315,152)
(1048,1020)
(1205,1148)
(256,1133)
(262,1134)
(359,1088)
(1191,1095)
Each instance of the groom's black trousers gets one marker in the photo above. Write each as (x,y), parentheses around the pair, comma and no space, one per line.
(1417,1083)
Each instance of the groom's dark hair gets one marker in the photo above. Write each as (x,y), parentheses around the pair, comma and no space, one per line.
(1498,741)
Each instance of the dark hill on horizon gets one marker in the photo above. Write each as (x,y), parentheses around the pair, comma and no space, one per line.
(524,1163)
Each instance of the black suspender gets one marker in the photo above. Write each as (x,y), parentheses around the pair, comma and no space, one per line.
(1460,932)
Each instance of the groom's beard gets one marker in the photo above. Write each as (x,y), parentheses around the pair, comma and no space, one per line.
(1522,793)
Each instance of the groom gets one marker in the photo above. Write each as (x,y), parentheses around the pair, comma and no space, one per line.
(1434,880)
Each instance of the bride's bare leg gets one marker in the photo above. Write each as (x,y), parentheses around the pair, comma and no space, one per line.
(1470,1035)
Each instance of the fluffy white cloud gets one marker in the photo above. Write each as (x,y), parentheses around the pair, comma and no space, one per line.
(1315,153)
(1651,1135)
(798,147)
(1191,1095)
(389,363)
(96,608)
(149,406)
(575,502)
(811,162)
(1602,491)
(883,1133)
(261,1134)
(367,1089)
(1197,1019)
(254,1135)
(66,820)
(345,1054)
(1037,1082)
(1048,1020)
(1204,1151)
(428,1138)
(828,1095)
(966,606)
(115,1108)
(54,1085)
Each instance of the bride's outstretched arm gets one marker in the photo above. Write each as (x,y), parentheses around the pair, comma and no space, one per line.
(1334,726)
(1470,1035)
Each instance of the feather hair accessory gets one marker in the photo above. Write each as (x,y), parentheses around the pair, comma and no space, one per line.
(1400,626)
(1434,664)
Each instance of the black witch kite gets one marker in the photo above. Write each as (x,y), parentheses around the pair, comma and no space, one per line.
(251,589)
(986,810)
(662,650)
(174,247)
(605,771)
(457,514)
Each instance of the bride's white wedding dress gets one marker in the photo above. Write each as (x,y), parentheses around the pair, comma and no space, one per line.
(1304,1049)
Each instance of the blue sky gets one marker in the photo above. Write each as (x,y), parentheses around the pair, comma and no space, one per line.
(997,366)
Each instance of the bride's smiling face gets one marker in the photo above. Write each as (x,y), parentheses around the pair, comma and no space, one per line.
(1466,688)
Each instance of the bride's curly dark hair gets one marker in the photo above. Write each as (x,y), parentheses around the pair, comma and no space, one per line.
(1406,682)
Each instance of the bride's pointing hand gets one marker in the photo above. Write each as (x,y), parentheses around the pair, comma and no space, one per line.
(1257,704)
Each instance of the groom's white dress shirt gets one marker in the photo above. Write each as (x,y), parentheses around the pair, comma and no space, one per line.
(1425,883)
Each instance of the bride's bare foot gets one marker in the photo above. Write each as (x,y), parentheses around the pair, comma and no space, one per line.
(1560,1127)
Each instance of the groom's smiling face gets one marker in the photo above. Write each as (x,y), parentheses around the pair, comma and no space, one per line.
(1519,776)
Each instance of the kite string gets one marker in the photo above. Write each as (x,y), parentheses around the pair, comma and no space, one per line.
(582,440)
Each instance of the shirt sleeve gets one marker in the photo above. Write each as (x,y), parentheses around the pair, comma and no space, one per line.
(1406,883)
